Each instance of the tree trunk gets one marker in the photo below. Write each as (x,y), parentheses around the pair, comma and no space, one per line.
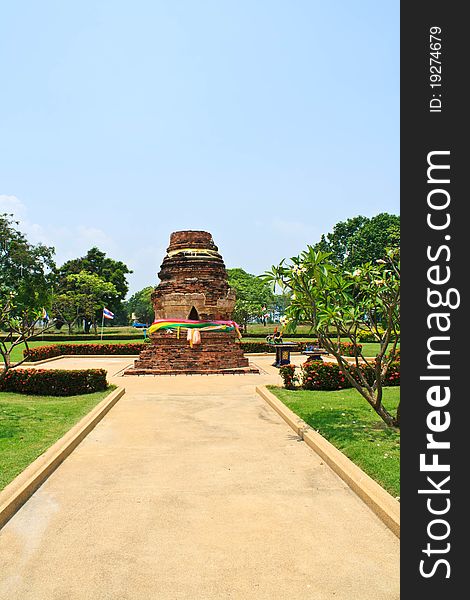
(4,372)
(373,399)
(383,413)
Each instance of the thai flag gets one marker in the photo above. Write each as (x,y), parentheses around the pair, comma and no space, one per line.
(107,314)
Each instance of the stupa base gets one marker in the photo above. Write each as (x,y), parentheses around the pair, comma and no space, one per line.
(218,353)
(238,371)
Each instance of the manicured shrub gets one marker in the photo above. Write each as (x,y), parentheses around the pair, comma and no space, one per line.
(255,347)
(53,350)
(44,352)
(368,336)
(60,337)
(287,372)
(75,337)
(319,375)
(54,382)
(393,374)
(288,336)
(397,354)
(347,348)
(259,347)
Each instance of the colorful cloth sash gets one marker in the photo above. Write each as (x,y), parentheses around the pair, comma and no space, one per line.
(193,327)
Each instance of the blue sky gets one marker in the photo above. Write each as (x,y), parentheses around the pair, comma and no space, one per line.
(264,122)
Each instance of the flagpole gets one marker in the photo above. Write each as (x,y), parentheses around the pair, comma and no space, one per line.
(102,324)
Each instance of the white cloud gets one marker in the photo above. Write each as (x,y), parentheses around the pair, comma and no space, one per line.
(12,205)
(69,241)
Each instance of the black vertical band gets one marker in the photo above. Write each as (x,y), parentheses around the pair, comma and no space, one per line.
(435,270)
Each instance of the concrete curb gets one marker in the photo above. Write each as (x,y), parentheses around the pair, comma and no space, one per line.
(16,493)
(46,360)
(376,498)
(39,362)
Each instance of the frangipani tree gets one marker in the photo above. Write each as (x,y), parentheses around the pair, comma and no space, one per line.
(340,304)
(19,325)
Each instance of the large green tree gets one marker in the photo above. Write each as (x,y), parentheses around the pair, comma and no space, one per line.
(253,294)
(25,288)
(66,310)
(25,269)
(141,305)
(361,239)
(107,269)
(86,295)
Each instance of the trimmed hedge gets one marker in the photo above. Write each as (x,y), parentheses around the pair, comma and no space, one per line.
(303,336)
(289,377)
(367,336)
(347,349)
(54,382)
(319,375)
(53,350)
(82,337)
(393,374)
(259,347)
(44,352)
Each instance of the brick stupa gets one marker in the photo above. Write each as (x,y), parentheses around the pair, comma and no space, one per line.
(193,285)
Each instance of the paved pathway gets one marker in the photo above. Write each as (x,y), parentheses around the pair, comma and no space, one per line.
(192,488)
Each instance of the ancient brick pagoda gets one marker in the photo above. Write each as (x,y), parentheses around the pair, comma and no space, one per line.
(193,286)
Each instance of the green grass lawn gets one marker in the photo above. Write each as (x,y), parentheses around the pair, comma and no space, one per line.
(345,419)
(107,330)
(29,425)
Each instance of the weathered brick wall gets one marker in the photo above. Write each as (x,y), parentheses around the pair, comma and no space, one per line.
(218,351)
(191,239)
(186,281)
(193,280)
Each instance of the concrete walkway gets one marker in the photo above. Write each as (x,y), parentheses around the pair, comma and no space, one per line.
(193,488)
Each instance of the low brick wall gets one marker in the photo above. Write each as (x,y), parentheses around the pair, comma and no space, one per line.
(217,351)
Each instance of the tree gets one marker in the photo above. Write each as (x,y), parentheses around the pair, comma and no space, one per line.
(19,326)
(346,303)
(141,305)
(87,295)
(96,262)
(281,303)
(252,295)
(25,289)
(66,310)
(360,239)
(25,269)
